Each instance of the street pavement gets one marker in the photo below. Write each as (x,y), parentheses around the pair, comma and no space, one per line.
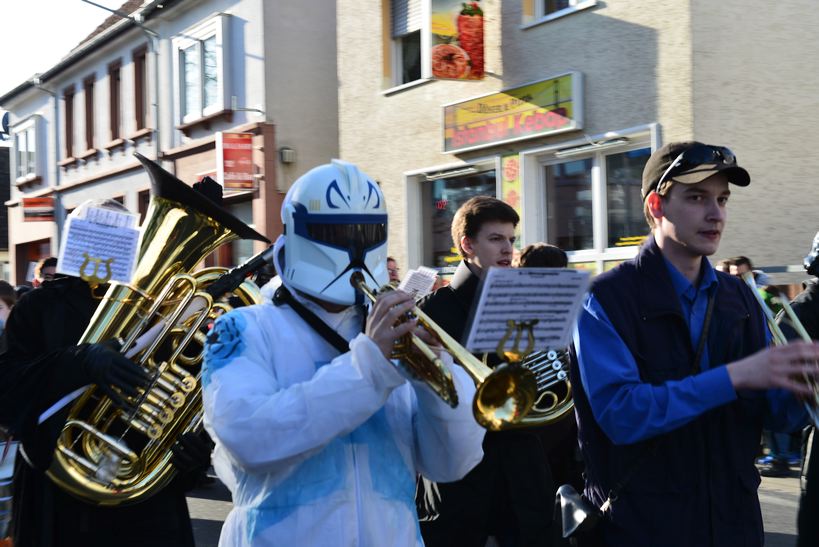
(210,504)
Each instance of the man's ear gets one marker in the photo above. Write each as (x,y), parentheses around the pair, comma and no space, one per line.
(655,205)
(466,246)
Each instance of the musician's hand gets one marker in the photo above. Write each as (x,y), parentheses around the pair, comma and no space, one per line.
(778,367)
(383,325)
(107,368)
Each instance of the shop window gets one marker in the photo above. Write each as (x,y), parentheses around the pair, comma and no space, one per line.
(626,221)
(569,199)
(25,151)
(580,222)
(237,252)
(242,249)
(406,40)
(200,69)
(441,198)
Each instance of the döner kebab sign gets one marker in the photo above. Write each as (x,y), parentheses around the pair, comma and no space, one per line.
(533,110)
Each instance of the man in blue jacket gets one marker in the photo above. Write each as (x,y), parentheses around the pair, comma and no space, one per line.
(676,436)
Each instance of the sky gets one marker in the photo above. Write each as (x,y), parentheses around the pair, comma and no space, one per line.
(36,34)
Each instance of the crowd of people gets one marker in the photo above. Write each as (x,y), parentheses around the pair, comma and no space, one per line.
(324,438)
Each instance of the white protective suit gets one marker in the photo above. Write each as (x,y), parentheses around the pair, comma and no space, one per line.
(319,448)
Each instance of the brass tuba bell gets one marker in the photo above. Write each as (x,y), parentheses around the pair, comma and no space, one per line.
(105,455)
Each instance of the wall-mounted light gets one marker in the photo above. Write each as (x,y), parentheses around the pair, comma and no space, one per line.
(590,147)
(287,155)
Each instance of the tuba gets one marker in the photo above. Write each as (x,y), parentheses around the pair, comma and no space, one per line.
(108,456)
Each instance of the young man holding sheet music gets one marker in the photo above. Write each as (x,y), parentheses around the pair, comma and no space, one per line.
(676,434)
(509,495)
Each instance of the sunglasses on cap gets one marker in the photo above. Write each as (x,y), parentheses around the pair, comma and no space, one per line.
(696,156)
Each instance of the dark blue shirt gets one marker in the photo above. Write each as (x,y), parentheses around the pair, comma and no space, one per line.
(629,410)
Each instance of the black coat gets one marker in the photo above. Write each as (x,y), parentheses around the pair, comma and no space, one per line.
(510,493)
(40,365)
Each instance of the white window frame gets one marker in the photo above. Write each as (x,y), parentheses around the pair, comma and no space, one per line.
(534,196)
(34,124)
(541,16)
(413,192)
(216,26)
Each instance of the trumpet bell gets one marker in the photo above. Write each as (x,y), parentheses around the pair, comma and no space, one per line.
(504,397)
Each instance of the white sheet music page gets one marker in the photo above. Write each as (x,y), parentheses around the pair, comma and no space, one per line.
(419,283)
(552,296)
(102,240)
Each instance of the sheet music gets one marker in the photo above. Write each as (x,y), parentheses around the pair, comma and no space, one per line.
(109,217)
(100,242)
(552,296)
(419,283)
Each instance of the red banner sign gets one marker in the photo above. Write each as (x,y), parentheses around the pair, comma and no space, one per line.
(234,160)
(38,209)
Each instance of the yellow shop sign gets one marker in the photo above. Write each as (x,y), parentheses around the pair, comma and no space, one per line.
(532,110)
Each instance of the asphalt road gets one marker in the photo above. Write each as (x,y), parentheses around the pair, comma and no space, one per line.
(210,504)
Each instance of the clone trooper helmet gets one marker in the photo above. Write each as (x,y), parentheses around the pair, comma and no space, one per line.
(335,223)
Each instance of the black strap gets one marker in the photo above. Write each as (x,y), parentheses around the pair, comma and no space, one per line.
(283,296)
(704,334)
(652,448)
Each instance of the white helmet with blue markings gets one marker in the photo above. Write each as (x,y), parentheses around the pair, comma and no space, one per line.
(335,223)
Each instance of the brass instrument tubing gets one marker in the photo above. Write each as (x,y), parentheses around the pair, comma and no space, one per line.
(780,339)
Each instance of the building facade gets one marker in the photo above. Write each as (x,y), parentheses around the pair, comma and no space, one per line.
(576,95)
(184,82)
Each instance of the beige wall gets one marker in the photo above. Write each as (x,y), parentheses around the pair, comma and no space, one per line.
(621,48)
(301,83)
(755,83)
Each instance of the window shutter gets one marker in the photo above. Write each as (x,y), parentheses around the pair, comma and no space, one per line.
(406,17)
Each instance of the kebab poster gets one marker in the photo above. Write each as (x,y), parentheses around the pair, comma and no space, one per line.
(457,40)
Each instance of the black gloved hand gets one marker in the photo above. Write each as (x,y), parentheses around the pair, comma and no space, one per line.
(109,369)
(191,452)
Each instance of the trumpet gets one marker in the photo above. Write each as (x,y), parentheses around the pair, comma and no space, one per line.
(504,395)
(779,338)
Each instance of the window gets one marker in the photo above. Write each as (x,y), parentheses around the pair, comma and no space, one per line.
(551,6)
(68,97)
(441,198)
(406,38)
(593,206)
(141,87)
(114,116)
(539,11)
(88,90)
(143,202)
(200,67)
(25,151)
(569,204)
(624,174)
